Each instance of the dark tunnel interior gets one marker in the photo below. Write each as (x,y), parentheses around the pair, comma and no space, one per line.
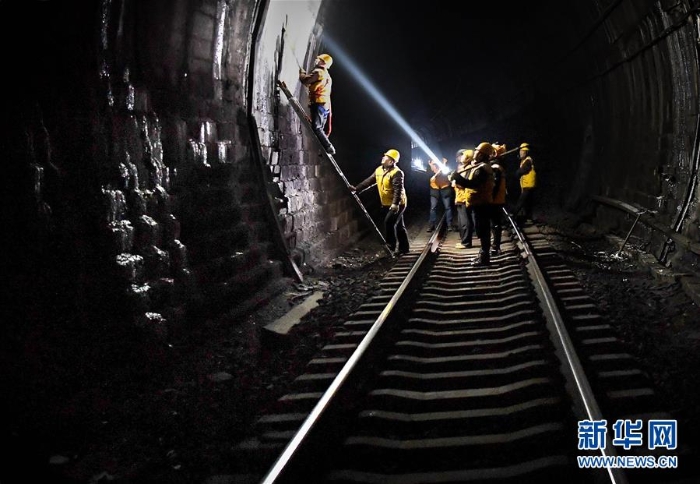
(157,181)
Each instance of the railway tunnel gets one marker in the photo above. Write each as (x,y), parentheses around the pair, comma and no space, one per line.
(160,182)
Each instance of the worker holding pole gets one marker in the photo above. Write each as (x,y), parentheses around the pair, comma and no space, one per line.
(478,180)
(392,195)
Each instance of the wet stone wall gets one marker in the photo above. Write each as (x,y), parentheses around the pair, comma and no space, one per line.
(141,204)
(191,231)
(142,197)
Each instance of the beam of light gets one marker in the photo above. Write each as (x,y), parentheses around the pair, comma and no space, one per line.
(339,53)
(417,164)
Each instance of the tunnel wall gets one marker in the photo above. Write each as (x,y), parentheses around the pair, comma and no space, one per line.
(609,109)
(625,115)
(317,216)
(139,202)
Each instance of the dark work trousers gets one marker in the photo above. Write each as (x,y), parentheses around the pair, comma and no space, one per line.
(394,229)
(496,224)
(444,194)
(525,202)
(319,117)
(465,217)
(482,216)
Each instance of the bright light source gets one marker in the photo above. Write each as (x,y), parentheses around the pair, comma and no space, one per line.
(418,164)
(443,168)
(339,54)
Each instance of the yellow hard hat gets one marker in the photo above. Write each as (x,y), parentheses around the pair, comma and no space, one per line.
(525,146)
(393,154)
(467,154)
(485,148)
(328,60)
(500,149)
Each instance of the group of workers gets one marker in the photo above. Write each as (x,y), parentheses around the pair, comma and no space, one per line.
(477,187)
(479,184)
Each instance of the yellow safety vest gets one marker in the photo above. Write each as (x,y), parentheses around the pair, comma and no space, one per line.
(528,180)
(320,91)
(438,181)
(500,195)
(482,195)
(461,193)
(385,187)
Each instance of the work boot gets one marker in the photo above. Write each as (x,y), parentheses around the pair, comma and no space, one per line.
(431,229)
(481,260)
(496,251)
(330,149)
(460,245)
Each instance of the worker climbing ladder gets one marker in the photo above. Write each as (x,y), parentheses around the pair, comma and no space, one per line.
(307,122)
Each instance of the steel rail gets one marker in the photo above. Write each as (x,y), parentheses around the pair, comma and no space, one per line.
(573,371)
(276,472)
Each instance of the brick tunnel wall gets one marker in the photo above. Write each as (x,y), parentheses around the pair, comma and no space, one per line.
(318,217)
(139,202)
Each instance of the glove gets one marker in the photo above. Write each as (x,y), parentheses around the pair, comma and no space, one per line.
(394,208)
(352,188)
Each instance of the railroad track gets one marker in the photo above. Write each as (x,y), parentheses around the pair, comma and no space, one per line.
(456,373)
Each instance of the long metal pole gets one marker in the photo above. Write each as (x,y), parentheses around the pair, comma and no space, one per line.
(628,234)
(306,121)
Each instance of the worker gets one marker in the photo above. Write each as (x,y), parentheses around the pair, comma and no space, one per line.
(528,182)
(499,197)
(392,195)
(440,190)
(320,84)
(479,182)
(465,213)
